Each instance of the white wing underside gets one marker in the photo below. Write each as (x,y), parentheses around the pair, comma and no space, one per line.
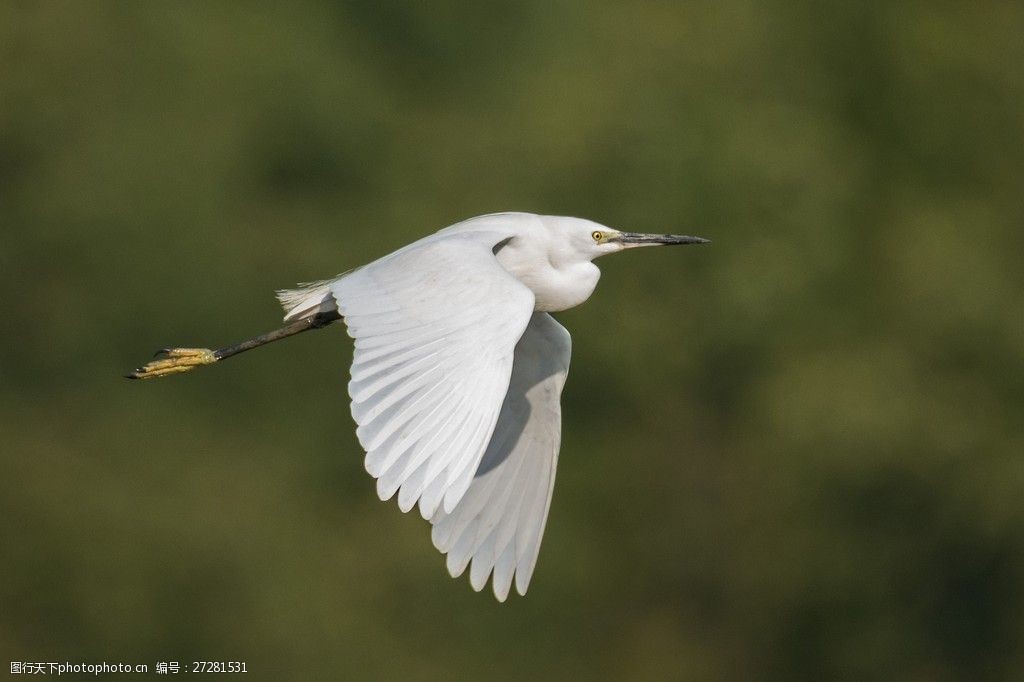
(442,333)
(499,523)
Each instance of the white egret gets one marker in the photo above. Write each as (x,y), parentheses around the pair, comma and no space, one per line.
(457,374)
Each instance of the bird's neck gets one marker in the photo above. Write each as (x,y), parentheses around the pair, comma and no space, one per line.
(556,283)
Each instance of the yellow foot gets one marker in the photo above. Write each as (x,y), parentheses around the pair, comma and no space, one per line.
(177,360)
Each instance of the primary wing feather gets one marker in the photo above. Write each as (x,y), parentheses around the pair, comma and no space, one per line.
(435,327)
(500,520)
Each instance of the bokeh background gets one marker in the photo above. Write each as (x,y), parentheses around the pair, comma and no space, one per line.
(795,454)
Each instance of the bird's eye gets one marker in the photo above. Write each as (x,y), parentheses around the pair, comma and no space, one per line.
(598,236)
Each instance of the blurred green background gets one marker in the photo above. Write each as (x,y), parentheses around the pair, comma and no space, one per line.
(795,454)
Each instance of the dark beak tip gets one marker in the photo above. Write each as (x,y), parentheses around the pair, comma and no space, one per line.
(691,240)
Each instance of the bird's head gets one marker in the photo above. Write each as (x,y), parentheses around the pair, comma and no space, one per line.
(590,240)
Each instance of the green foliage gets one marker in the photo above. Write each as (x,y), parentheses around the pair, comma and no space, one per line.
(796,453)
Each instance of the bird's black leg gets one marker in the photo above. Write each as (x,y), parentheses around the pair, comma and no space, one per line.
(179,360)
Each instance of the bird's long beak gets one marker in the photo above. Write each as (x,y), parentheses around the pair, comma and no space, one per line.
(633,239)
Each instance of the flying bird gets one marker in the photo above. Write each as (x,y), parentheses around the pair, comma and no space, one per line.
(457,374)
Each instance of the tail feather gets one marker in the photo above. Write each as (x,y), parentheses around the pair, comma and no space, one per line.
(307,300)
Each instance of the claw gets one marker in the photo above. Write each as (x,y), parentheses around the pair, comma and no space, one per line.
(178,360)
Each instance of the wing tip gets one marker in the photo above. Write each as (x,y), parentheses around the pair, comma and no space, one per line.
(500,591)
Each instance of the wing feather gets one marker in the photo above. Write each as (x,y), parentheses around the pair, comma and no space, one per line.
(435,327)
(497,525)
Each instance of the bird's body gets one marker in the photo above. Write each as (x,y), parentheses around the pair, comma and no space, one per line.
(457,374)
(536,250)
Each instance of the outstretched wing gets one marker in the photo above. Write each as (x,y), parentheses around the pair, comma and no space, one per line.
(500,520)
(435,326)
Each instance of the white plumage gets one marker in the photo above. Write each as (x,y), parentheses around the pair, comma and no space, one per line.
(457,374)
